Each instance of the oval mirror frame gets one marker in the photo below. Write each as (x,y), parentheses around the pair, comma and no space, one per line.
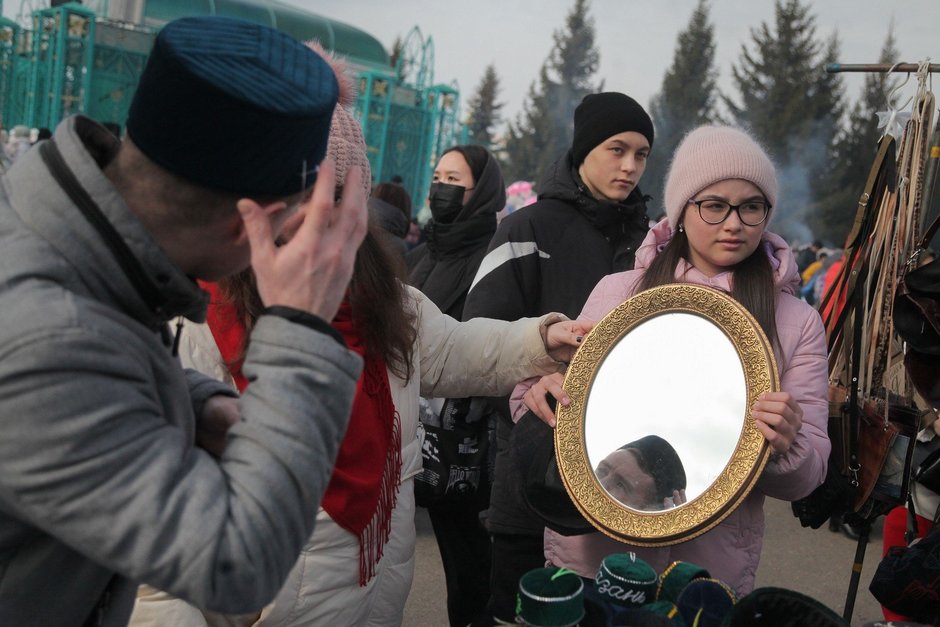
(747,461)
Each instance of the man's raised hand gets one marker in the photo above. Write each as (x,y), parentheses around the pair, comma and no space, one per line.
(311,272)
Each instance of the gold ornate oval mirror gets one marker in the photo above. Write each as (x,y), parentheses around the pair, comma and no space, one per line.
(658,445)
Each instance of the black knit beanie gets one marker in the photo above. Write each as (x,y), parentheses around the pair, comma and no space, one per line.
(604,115)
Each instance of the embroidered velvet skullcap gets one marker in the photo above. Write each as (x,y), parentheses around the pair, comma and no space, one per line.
(709,154)
(706,602)
(773,607)
(550,597)
(676,577)
(234,106)
(347,146)
(601,116)
(624,579)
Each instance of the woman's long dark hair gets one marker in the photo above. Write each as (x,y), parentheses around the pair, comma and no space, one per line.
(376,295)
(752,284)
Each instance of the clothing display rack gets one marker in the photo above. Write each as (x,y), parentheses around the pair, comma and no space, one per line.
(887,227)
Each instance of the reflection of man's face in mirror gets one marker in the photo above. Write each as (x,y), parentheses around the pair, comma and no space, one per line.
(621,475)
(645,475)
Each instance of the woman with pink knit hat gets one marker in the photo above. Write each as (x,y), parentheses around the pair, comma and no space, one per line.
(720,195)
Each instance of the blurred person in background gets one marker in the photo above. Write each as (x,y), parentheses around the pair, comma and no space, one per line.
(390,211)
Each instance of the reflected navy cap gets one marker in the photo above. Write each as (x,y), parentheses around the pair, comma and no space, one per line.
(234,106)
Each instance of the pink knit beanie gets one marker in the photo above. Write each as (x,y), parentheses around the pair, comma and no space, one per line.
(346,147)
(710,154)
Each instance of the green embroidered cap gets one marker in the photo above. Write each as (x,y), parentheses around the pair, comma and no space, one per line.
(624,579)
(550,597)
(676,577)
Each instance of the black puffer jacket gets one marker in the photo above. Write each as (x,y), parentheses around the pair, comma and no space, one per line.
(548,257)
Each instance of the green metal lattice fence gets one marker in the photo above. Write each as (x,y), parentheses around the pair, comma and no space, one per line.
(73,58)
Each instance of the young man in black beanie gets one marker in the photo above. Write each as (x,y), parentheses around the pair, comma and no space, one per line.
(588,222)
(102,483)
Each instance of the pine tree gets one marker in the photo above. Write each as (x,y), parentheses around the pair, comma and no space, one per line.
(523,144)
(484,109)
(854,152)
(793,107)
(685,100)
(542,132)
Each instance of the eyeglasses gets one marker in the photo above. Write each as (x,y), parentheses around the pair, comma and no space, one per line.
(714,211)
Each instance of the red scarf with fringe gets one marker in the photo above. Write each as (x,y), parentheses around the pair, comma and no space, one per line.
(363,489)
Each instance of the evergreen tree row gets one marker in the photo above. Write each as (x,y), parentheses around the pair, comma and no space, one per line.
(822,148)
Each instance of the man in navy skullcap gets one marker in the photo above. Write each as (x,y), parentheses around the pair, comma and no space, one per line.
(101,485)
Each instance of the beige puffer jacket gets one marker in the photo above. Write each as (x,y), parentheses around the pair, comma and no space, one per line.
(451,359)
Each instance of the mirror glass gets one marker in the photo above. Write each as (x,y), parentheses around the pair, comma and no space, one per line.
(664,411)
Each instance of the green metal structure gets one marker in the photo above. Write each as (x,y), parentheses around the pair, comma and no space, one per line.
(86,58)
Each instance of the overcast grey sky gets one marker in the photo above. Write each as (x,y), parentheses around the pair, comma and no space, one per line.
(636,38)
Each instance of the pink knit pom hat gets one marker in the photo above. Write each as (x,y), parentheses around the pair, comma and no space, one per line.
(346,146)
(709,154)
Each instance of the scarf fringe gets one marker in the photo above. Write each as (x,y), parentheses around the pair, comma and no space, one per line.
(376,534)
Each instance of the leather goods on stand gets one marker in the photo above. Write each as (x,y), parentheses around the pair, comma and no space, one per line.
(924,372)
(881,448)
(876,427)
(839,425)
(917,300)
(842,308)
(927,464)
(873,420)
(886,448)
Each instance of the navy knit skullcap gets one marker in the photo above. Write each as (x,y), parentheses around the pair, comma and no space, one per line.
(234,106)
(601,116)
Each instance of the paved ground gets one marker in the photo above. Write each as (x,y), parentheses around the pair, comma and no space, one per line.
(815,562)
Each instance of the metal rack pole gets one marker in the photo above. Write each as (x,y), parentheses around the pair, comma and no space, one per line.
(833,68)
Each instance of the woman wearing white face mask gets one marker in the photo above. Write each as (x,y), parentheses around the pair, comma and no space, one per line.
(719,197)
